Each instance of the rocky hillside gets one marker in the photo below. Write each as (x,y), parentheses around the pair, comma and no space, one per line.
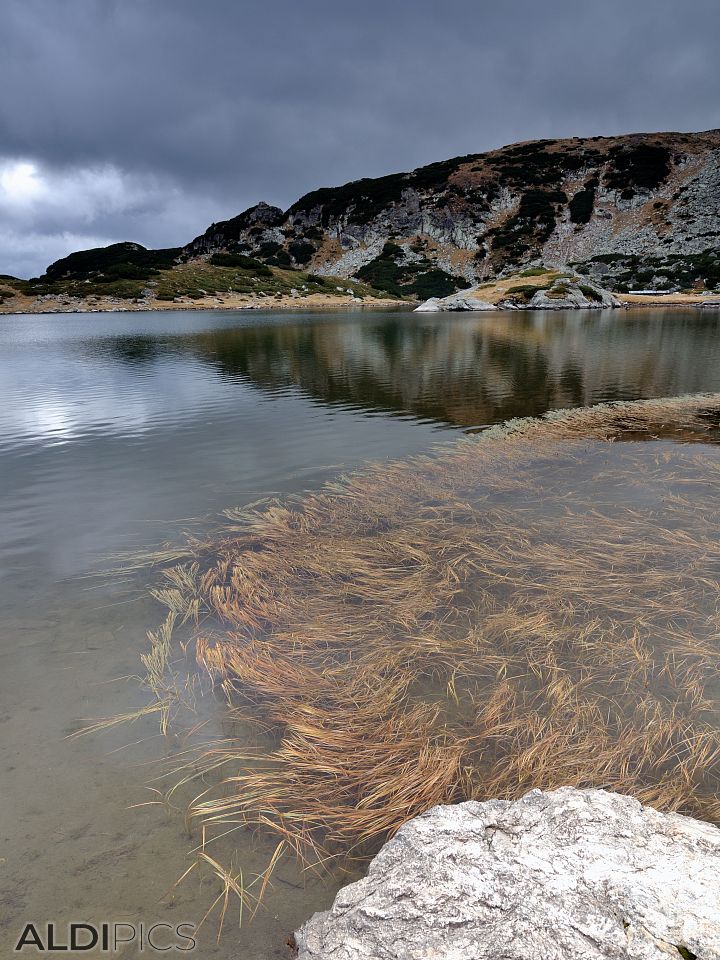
(637,210)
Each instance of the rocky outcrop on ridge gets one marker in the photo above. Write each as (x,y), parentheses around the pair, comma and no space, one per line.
(566,875)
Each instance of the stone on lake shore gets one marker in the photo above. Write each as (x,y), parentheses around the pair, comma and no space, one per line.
(455,302)
(563,293)
(562,875)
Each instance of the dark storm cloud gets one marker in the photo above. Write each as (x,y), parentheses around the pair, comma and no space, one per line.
(192,111)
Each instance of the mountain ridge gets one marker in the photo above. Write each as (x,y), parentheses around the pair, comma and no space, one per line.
(556,202)
(639,209)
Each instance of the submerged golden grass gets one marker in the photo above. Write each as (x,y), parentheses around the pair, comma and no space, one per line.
(532,608)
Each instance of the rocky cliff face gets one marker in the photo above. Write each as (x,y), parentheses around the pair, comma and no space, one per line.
(567,875)
(642,209)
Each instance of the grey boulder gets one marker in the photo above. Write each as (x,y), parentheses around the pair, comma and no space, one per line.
(568,296)
(455,302)
(566,875)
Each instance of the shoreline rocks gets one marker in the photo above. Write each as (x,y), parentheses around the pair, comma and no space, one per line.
(455,302)
(563,293)
(554,876)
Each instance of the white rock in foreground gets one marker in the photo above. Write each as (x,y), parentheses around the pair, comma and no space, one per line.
(566,875)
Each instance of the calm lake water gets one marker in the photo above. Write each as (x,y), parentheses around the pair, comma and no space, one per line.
(119,430)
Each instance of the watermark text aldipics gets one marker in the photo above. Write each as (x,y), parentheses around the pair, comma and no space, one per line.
(107,937)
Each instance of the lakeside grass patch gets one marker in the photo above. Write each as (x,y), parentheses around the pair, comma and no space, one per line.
(201,278)
(533,608)
(222,273)
(538,278)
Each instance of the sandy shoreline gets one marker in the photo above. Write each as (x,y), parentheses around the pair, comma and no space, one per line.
(315,301)
(33,305)
(670,299)
(496,290)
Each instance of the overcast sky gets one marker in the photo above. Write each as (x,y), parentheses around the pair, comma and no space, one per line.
(148,119)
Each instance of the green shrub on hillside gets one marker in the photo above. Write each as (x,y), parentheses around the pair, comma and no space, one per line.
(525,289)
(530,226)
(280,259)
(434,283)
(241,261)
(125,260)
(419,278)
(581,206)
(645,165)
(268,249)
(590,292)
(534,272)
(301,251)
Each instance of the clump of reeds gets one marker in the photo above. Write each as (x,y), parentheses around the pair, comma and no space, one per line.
(531,609)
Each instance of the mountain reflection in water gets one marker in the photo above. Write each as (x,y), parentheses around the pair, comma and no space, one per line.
(461,371)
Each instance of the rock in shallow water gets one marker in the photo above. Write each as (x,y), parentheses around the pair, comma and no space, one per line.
(455,302)
(554,876)
(571,296)
(563,293)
